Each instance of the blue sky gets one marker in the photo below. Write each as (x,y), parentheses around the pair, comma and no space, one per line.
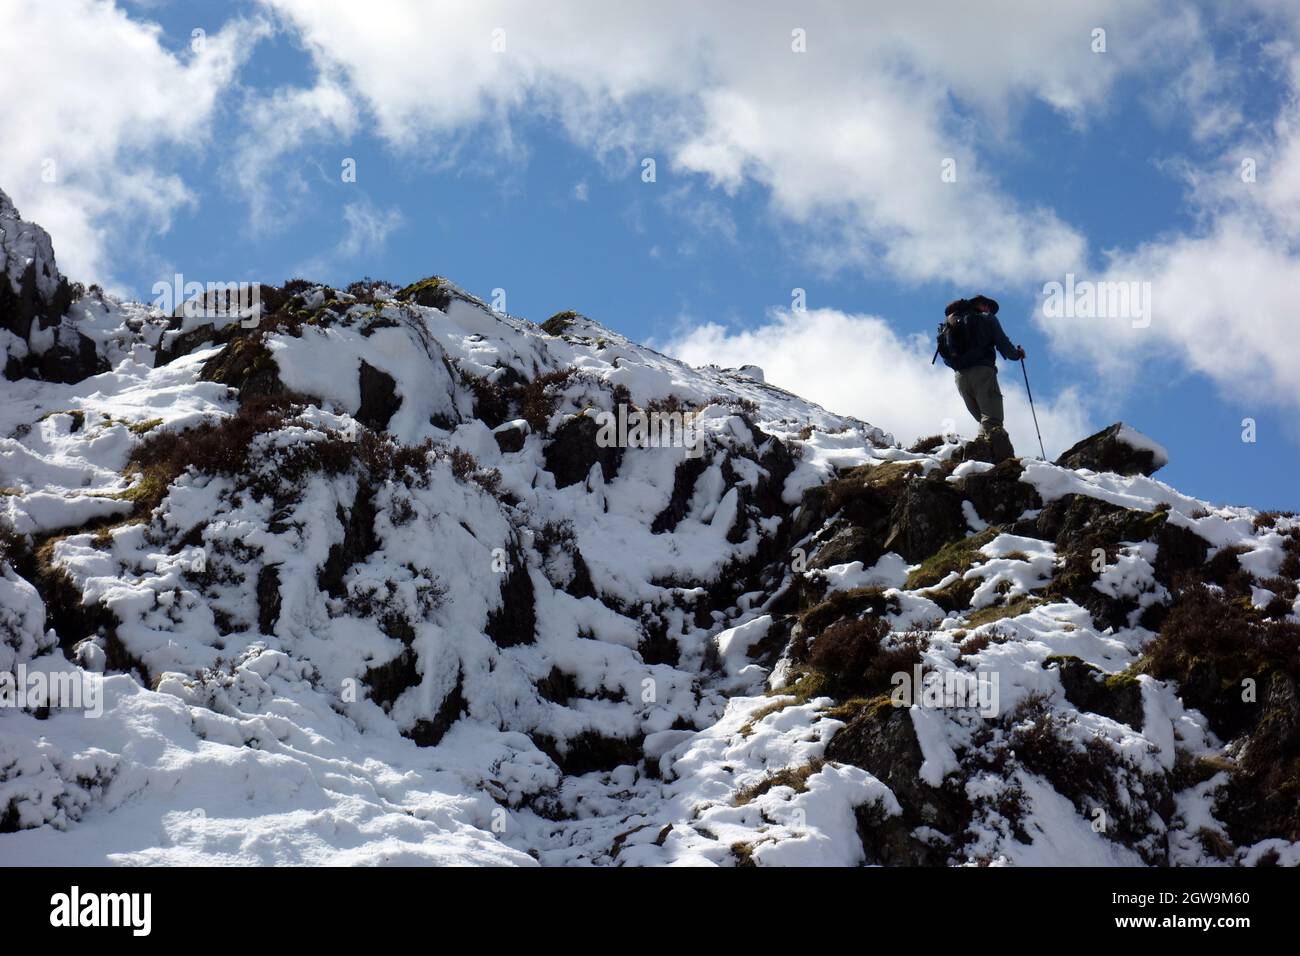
(528,179)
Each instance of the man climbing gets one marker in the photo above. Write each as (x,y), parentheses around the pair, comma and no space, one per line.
(967,338)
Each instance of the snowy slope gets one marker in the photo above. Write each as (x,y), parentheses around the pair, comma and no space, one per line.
(358,586)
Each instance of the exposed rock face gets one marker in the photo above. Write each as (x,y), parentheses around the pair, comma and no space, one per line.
(428,733)
(34,298)
(33,291)
(185,343)
(515,621)
(434,292)
(268,598)
(926,516)
(72,358)
(1090,690)
(1116,448)
(510,437)
(684,478)
(245,364)
(881,740)
(575,448)
(998,495)
(379,399)
(849,543)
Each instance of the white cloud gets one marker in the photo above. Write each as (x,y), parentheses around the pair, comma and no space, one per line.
(95,92)
(366,228)
(848,137)
(708,223)
(1223,295)
(273,125)
(854,364)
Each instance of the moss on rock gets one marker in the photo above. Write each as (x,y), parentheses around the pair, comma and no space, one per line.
(956,556)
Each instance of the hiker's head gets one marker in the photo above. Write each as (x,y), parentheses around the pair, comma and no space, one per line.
(957,307)
(982,303)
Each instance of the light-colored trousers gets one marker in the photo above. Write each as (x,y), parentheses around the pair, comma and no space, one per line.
(978,387)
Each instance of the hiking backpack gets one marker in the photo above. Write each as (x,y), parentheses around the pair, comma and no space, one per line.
(957,337)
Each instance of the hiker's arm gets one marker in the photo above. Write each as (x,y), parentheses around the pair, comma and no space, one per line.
(1009,352)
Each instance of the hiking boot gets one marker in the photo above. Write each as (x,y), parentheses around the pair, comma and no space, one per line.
(1000,444)
(976,449)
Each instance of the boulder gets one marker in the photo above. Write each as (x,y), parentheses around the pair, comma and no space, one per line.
(510,436)
(1119,449)
(434,292)
(246,364)
(849,543)
(992,446)
(1117,696)
(998,495)
(977,449)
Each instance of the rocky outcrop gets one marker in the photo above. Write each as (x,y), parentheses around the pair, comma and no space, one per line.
(247,365)
(1118,696)
(927,515)
(510,436)
(359,542)
(434,292)
(1117,448)
(998,495)
(428,733)
(880,739)
(379,398)
(32,291)
(514,622)
(34,301)
(575,448)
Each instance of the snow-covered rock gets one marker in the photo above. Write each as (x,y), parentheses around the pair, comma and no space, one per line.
(37,336)
(1119,448)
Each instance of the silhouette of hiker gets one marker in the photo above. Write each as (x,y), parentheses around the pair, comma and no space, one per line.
(967,339)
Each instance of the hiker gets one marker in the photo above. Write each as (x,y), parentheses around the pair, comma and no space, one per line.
(969,334)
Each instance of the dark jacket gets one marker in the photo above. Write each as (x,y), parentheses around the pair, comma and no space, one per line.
(987,334)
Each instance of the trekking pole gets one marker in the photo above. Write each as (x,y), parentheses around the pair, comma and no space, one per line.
(1031,407)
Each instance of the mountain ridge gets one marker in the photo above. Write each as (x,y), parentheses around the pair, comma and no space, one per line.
(365,585)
